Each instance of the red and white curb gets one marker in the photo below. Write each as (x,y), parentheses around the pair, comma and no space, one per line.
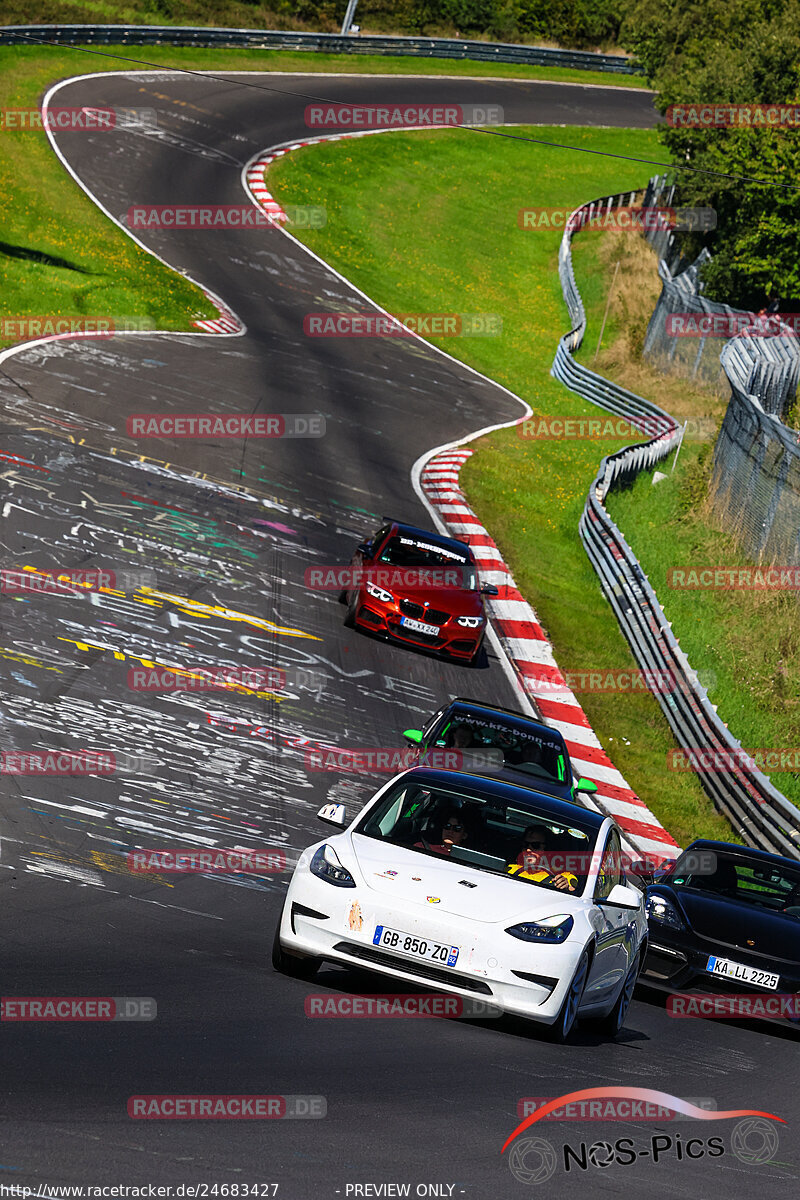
(226,322)
(254,178)
(532,655)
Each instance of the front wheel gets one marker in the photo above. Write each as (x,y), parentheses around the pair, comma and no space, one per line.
(613,1023)
(290,964)
(565,1021)
(352,609)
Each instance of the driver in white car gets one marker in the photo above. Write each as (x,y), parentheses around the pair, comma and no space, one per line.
(529,863)
(453,833)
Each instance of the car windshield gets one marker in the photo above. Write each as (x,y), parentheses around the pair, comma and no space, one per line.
(517,838)
(539,753)
(404,551)
(737,877)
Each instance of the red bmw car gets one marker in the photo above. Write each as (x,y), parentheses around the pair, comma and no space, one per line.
(419,588)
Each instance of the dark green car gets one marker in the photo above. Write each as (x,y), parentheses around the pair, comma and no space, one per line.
(505,744)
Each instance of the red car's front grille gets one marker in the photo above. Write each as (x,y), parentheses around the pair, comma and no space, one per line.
(431,616)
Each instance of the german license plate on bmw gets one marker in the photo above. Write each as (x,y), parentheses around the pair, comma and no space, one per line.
(419,626)
(416,947)
(741,972)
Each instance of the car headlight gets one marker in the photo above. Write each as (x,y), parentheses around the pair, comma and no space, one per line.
(470,622)
(379,593)
(325,865)
(549,931)
(663,912)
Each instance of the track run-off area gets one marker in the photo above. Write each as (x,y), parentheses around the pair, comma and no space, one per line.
(228,528)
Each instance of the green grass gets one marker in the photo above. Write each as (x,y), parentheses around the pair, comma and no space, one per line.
(428,222)
(747,641)
(58,255)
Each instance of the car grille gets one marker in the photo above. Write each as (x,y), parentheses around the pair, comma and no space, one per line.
(366,614)
(414,966)
(431,616)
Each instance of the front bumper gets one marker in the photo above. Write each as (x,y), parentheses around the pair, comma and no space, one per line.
(675,963)
(518,978)
(385,620)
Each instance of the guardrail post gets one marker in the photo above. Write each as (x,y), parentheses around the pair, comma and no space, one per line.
(348,16)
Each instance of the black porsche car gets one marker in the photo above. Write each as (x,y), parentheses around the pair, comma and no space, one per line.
(527,752)
(726,918)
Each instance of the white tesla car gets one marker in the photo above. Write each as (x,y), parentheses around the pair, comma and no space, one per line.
(476,887)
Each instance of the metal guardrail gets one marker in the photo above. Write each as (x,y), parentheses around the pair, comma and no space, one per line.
(743,793)
(332,43)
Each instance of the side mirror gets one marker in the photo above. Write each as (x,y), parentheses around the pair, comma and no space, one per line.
(622,896)
(640,873)
(488,589)
(363,548)
(586,785)
(333,814)
(414,736)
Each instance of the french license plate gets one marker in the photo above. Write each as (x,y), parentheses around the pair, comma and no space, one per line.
(419,626)
(741,972)
(416,947)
